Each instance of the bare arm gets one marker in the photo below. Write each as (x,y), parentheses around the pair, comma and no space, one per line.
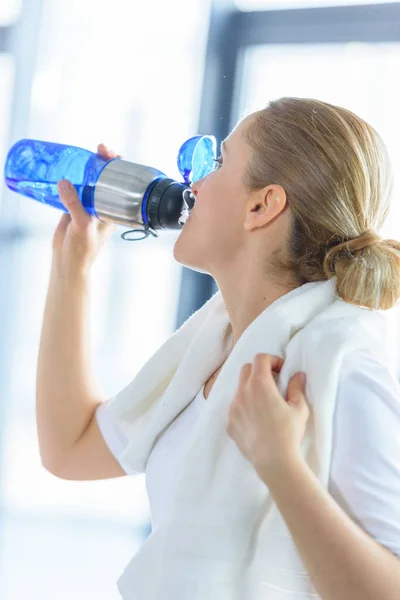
(66,393)
(70,442)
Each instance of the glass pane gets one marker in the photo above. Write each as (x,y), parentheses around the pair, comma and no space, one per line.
(52,556)
(327,72)
(249,5)
(9,11)
(7,74)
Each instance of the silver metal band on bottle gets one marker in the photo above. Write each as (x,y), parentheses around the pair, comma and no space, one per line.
(119,191)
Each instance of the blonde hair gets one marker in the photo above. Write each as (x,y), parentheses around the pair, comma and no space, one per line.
(336,172)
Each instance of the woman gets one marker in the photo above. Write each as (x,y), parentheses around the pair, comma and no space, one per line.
(300,191)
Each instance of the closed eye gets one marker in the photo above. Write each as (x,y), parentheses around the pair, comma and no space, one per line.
(218,162)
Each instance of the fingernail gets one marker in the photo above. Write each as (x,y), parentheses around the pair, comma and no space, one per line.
(303,378)
(64,185)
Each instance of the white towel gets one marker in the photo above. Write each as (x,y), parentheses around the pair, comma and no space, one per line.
(225,538)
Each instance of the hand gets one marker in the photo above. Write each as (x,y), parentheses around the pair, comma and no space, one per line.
(267,428)
(79,235)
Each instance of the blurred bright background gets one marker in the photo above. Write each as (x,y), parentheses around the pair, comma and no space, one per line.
(141,77)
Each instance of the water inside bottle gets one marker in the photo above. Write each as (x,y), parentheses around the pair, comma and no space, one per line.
(47,192)
(33,169)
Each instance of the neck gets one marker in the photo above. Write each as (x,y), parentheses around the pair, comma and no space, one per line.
(244,304)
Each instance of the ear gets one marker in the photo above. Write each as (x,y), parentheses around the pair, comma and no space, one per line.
(263,206)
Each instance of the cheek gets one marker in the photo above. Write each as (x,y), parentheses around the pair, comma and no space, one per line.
(218,207)
(215,196)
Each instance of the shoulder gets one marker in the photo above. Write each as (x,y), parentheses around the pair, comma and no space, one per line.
(343,332)
(367,379)
(368,404)
(369,365)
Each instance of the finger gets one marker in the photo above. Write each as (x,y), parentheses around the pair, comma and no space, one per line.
(264,364)
(62,226)
(71,201)
(107,152)
(109,228)
(274,361)
(245,373)
(64,222)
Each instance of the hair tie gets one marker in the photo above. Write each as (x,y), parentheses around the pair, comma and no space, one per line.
(365,240)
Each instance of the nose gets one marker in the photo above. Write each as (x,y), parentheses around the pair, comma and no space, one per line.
(194,192)
(195,187)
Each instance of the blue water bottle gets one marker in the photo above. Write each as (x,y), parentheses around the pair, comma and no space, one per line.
(113,190)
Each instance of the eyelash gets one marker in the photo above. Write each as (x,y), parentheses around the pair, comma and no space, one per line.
(218,162)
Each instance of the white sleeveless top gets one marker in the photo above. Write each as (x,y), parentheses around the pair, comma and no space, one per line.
(365,471)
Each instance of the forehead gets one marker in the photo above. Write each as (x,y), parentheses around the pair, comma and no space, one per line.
(236,135)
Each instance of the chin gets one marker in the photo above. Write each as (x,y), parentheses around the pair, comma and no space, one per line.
(185,261)
(198,270)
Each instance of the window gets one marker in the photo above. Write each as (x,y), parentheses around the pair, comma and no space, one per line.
(249,5)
